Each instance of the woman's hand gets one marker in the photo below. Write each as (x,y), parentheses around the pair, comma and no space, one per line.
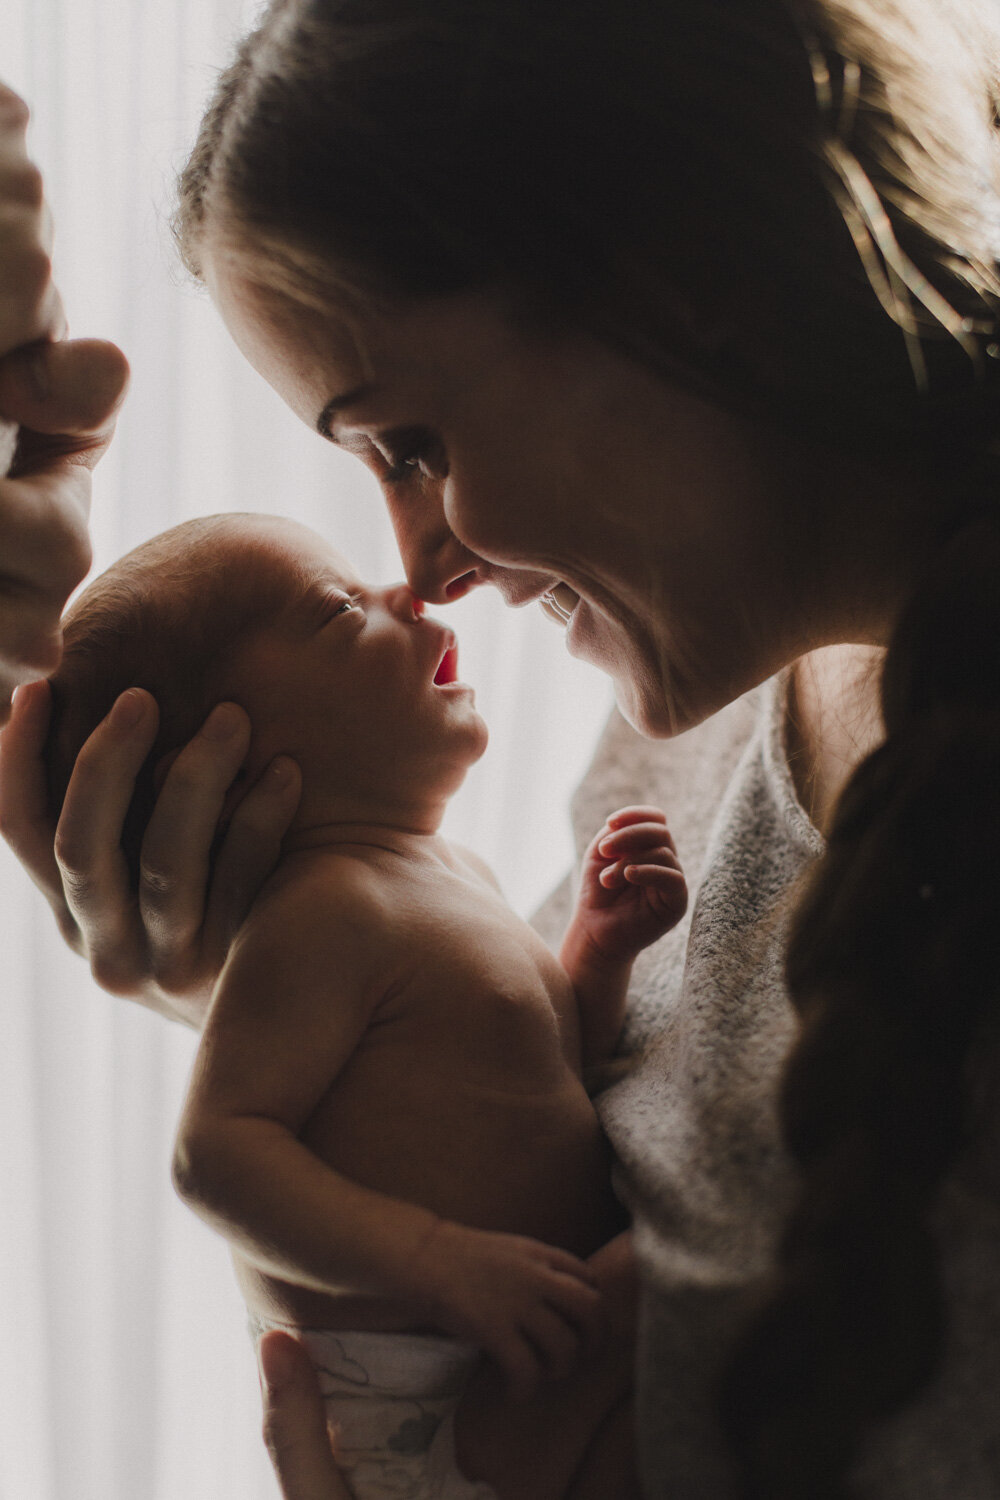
(165,945)
(295,1423)
(61,399)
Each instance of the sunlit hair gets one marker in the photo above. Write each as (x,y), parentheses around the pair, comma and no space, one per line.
(791,206)
(167,617)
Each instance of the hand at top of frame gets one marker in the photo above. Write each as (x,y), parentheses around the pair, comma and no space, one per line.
(59,398)
(166,946)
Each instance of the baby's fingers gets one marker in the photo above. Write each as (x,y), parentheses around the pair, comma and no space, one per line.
(635,838)
(556,1342)
(520,1363)
(577,1301)
(665,887)
(624,817)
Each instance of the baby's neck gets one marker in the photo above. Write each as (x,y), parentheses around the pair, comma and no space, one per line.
(391,836)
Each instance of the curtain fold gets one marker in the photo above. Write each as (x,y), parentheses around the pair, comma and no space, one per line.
(126,1373)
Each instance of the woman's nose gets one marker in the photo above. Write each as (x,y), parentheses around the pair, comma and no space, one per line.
(402,603)
(438,567)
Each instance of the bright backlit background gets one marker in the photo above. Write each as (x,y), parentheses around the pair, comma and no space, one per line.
(126,1373)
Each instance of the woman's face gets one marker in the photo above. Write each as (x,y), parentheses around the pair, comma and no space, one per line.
(550,467)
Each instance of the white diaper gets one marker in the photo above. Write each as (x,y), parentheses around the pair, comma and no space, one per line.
(390,1403)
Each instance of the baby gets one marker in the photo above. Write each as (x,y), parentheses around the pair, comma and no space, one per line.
(387,1117)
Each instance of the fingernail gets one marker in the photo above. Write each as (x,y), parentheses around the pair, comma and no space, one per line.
(129,709)
(279,774)
(223,722)
(276,1367)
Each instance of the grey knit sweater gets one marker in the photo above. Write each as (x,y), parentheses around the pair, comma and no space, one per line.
(694,1127)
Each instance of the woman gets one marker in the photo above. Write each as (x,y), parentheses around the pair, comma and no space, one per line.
(683,319)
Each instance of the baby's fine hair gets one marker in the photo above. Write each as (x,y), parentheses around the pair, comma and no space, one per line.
(166,617)
(792,207)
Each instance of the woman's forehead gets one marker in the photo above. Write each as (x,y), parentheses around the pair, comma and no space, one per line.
(315,357)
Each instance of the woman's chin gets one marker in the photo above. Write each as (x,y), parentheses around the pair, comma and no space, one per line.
(646,711)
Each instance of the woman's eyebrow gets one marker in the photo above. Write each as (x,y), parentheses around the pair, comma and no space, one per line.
(338,403)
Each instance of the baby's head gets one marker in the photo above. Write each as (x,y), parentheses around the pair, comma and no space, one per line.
(355,683)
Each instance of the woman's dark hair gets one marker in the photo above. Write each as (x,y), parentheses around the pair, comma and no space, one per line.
(792,206)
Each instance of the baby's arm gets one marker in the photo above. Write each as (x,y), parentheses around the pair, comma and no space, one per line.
(632,891)
(299,990)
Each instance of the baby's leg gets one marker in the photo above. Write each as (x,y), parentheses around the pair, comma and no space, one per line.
(573,1440)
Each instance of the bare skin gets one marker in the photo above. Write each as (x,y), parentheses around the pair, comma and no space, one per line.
(598,519)
(387,1116)
(60,398)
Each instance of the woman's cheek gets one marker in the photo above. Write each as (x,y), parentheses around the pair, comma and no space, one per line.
(474,515)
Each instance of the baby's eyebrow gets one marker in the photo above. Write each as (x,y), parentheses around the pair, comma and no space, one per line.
(339,403)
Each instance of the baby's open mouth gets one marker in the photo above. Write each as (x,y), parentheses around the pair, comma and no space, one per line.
(447,671)
(559,603)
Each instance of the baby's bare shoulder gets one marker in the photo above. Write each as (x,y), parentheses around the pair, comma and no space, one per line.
(324,899)
(475,864)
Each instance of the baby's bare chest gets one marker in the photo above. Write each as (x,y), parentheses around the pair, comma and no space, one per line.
(471,985)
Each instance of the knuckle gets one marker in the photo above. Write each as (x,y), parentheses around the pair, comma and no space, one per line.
(278,1441)
(14,112)
(29,273)
(109,973)
(24,184)
(70,859)
(157,877)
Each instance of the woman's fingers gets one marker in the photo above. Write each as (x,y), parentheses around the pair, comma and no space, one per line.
(94,874)
(24,814)
(249,852)
(45,497)
(64,396)
(174,870)
(29,304)
(295,1428)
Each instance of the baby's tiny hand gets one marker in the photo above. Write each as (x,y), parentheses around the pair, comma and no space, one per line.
(528,1305)
(632,888)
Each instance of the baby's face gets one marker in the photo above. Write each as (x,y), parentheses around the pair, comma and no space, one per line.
(356,683)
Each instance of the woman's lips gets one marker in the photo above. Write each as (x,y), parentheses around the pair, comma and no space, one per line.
(559,602)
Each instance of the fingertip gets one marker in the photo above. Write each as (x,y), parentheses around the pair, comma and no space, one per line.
(131,708)
(31,699)
(281,776)
(224,723)
(277,1361)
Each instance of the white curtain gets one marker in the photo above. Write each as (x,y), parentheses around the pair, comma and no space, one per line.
(125,1373)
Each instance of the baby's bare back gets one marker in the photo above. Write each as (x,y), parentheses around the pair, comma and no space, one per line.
(464,1093)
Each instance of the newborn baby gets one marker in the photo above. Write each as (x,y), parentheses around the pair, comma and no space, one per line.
(387,1116)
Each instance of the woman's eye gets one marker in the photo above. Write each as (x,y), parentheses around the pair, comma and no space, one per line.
(342,607)
(409,451)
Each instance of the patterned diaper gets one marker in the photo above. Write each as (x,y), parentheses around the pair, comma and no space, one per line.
(390,1404)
